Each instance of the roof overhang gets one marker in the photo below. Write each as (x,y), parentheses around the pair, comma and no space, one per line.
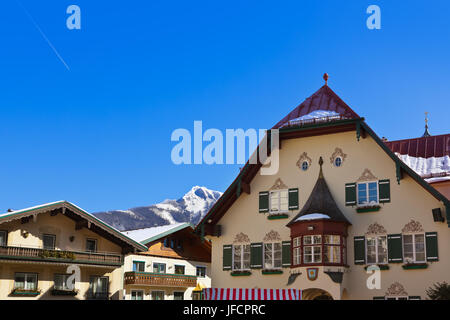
(75,213)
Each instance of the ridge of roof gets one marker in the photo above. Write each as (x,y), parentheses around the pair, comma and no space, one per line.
(323,99)
(8,216)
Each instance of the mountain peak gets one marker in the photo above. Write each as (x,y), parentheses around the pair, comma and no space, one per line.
(191,208)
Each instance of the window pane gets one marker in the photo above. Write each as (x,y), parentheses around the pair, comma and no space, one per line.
(284,202)
(382,249)
(91,245)
(317,254)
(307,240)
(246,259)
(317,239)
(19,281)
(268,263)
(48,242)
(2,238)
(274,201)
(371,250)
(307,254)
(362,193)
(179,269)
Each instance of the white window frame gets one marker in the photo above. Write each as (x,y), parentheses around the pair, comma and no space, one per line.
(5,237)
(204,267)
(159,291)
(26,276)
(156,262)
(54,240)
(414,246)
(279,201)
(273,255)
(367,193)
(137,291)
(297,251)
(241,263)
(315,246)
(376,249)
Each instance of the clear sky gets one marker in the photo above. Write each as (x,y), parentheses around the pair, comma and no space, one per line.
(98,134)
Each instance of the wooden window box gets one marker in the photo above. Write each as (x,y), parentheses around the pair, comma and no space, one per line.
(240,273)
(381,266)
(368,209)
(277,216)
(56,292)
(415,266)
(271,271)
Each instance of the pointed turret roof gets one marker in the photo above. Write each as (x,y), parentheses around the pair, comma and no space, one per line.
(323,99)
(321,201)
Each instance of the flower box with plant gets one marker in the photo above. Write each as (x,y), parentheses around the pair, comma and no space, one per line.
(25,292)
(275,216)
(271,271)
(237,273)
(57,254)
(411,264)
(60,292)
(368,207)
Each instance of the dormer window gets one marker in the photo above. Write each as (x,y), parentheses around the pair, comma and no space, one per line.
(367,193)
(279,201)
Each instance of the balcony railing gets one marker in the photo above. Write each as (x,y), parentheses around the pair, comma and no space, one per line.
(160,279)
(39,254)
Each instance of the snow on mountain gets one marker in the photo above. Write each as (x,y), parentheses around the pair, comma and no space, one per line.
(191,208)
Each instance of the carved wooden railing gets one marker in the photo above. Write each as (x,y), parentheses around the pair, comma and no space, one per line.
(160,279)
(39,254)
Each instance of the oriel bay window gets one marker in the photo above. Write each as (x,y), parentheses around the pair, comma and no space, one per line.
(332,249)
(296,251)
(312,249)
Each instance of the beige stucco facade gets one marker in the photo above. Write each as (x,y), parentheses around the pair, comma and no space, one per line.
(190,269)
(23,253)
(409,201)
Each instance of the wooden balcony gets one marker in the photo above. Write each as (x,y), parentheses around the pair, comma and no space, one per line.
(160,279)
(69,257)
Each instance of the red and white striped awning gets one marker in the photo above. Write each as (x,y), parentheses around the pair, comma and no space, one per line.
(251,294)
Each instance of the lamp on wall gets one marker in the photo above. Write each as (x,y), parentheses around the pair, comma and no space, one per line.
(310,227)
(71,238)
(25,233)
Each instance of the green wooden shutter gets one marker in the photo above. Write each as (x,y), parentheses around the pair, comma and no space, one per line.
(384,191)
(293,199)
(350,194)
(395,248)
(256,255)
(286,253)
(359,246)
(264,201)
(378,298)
(227,256)
(432,246)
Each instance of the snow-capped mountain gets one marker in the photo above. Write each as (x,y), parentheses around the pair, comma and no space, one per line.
(190,208)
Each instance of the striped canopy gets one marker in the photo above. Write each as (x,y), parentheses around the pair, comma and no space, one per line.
(251,294)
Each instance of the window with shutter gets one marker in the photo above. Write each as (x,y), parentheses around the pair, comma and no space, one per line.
(431,246)
(293,199)
(264,201)
(350,194)
(227,257)
(286,253)
(359,247)
(395,252)
(256,252)
(384,190)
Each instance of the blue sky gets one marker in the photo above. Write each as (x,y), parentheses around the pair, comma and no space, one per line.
(99,134)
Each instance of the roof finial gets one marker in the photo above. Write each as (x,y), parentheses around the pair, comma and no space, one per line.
(320,164)
(325,77)
(426,134)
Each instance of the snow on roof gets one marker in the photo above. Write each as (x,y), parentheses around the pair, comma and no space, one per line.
(31,208)
(313,216)
(437,179)
(427,166)
(149,234)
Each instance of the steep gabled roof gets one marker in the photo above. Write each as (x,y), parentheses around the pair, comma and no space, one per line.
(321,201)
(323,99)
(76,213)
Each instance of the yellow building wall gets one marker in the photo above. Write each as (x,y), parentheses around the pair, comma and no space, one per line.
(64,228)
(409,201)
(190,269)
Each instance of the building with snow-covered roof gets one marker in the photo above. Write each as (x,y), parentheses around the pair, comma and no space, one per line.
(342,202)
(176,265)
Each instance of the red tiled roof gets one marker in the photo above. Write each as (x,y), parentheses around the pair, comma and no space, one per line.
(424,147)
(323,99)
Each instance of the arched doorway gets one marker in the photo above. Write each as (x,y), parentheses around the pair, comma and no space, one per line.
(316,294)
